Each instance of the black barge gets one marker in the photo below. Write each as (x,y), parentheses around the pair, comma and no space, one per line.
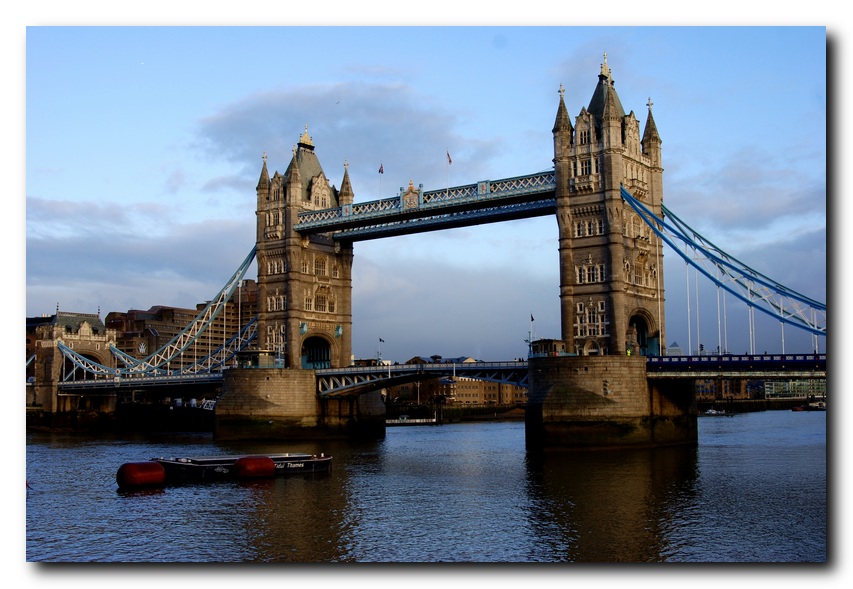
(163,471)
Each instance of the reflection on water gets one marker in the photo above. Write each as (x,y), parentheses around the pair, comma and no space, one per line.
(754,491)
(607,506)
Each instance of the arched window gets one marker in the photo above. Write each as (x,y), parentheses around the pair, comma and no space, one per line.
(320,303)
(320,265)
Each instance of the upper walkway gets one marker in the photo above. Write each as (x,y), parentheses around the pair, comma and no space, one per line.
(416,211)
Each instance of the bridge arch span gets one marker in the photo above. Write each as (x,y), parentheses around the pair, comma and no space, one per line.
(643,336)
(317,351)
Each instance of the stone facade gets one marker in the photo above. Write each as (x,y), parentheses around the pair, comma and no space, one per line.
(305,283)
(587,401)
(611,279)
(84,333)
(274,404)
(594,391)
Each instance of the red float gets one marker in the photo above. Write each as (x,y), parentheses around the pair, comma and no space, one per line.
(140,474)
(252,467)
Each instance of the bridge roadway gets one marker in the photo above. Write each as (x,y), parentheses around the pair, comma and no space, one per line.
(356,380)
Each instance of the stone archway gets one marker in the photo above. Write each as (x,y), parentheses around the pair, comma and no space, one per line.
(642,337)
(316,353)
(591,348)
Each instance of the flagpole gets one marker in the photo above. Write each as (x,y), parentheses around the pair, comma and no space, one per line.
(530,336)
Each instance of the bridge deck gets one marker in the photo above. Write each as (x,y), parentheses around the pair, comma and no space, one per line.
(351,380)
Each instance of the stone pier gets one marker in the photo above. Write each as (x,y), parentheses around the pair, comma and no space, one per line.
(605,401)
(282,404)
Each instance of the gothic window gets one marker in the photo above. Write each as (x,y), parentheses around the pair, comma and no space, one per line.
(600,226)
(331,305)
(309,301)
(590,274)
(579,275)
(586,167)
(320,303)
(335,271)
(304,266)
(320,265)
(590,228)
(579,229)
(584,137)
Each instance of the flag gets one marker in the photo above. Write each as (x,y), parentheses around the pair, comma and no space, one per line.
(381,170)
(531,317)
(381,340)
(449,161)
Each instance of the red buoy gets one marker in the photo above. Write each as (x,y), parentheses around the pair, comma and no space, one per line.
(140,474)
(252,467)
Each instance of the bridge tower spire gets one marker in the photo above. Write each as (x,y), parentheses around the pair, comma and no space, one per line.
(611,291)
(304,283)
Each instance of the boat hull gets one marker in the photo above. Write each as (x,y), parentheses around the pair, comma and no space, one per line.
(219,468)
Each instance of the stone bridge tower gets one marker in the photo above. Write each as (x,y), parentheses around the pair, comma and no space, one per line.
(611,262)
(304,283)
(84,333)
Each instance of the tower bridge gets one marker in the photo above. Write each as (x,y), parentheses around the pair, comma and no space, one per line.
(609,383)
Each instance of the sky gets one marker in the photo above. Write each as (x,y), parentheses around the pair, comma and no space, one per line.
(144,146)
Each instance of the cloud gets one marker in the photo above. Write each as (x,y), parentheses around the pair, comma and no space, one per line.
(363,124)
(132,256)
(432,308)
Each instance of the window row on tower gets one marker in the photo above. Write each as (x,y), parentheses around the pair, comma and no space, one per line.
(591,319)
(320,301)
(589,228)
(641,273)
(590,273)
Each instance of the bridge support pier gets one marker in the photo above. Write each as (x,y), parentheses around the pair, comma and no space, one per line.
(604,401)
(282,404)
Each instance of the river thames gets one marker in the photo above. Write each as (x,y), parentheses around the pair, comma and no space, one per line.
(753,491)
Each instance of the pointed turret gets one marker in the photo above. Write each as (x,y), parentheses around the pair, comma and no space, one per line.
(563,130)
(562,123)
(605,98)
(293,179)
(346,194)
(264,180)
(650,133)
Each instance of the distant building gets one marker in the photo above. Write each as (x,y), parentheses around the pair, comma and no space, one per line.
(63,323)
(712,389)
(456,390)
(674,350)
(141,333)
(795,389)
